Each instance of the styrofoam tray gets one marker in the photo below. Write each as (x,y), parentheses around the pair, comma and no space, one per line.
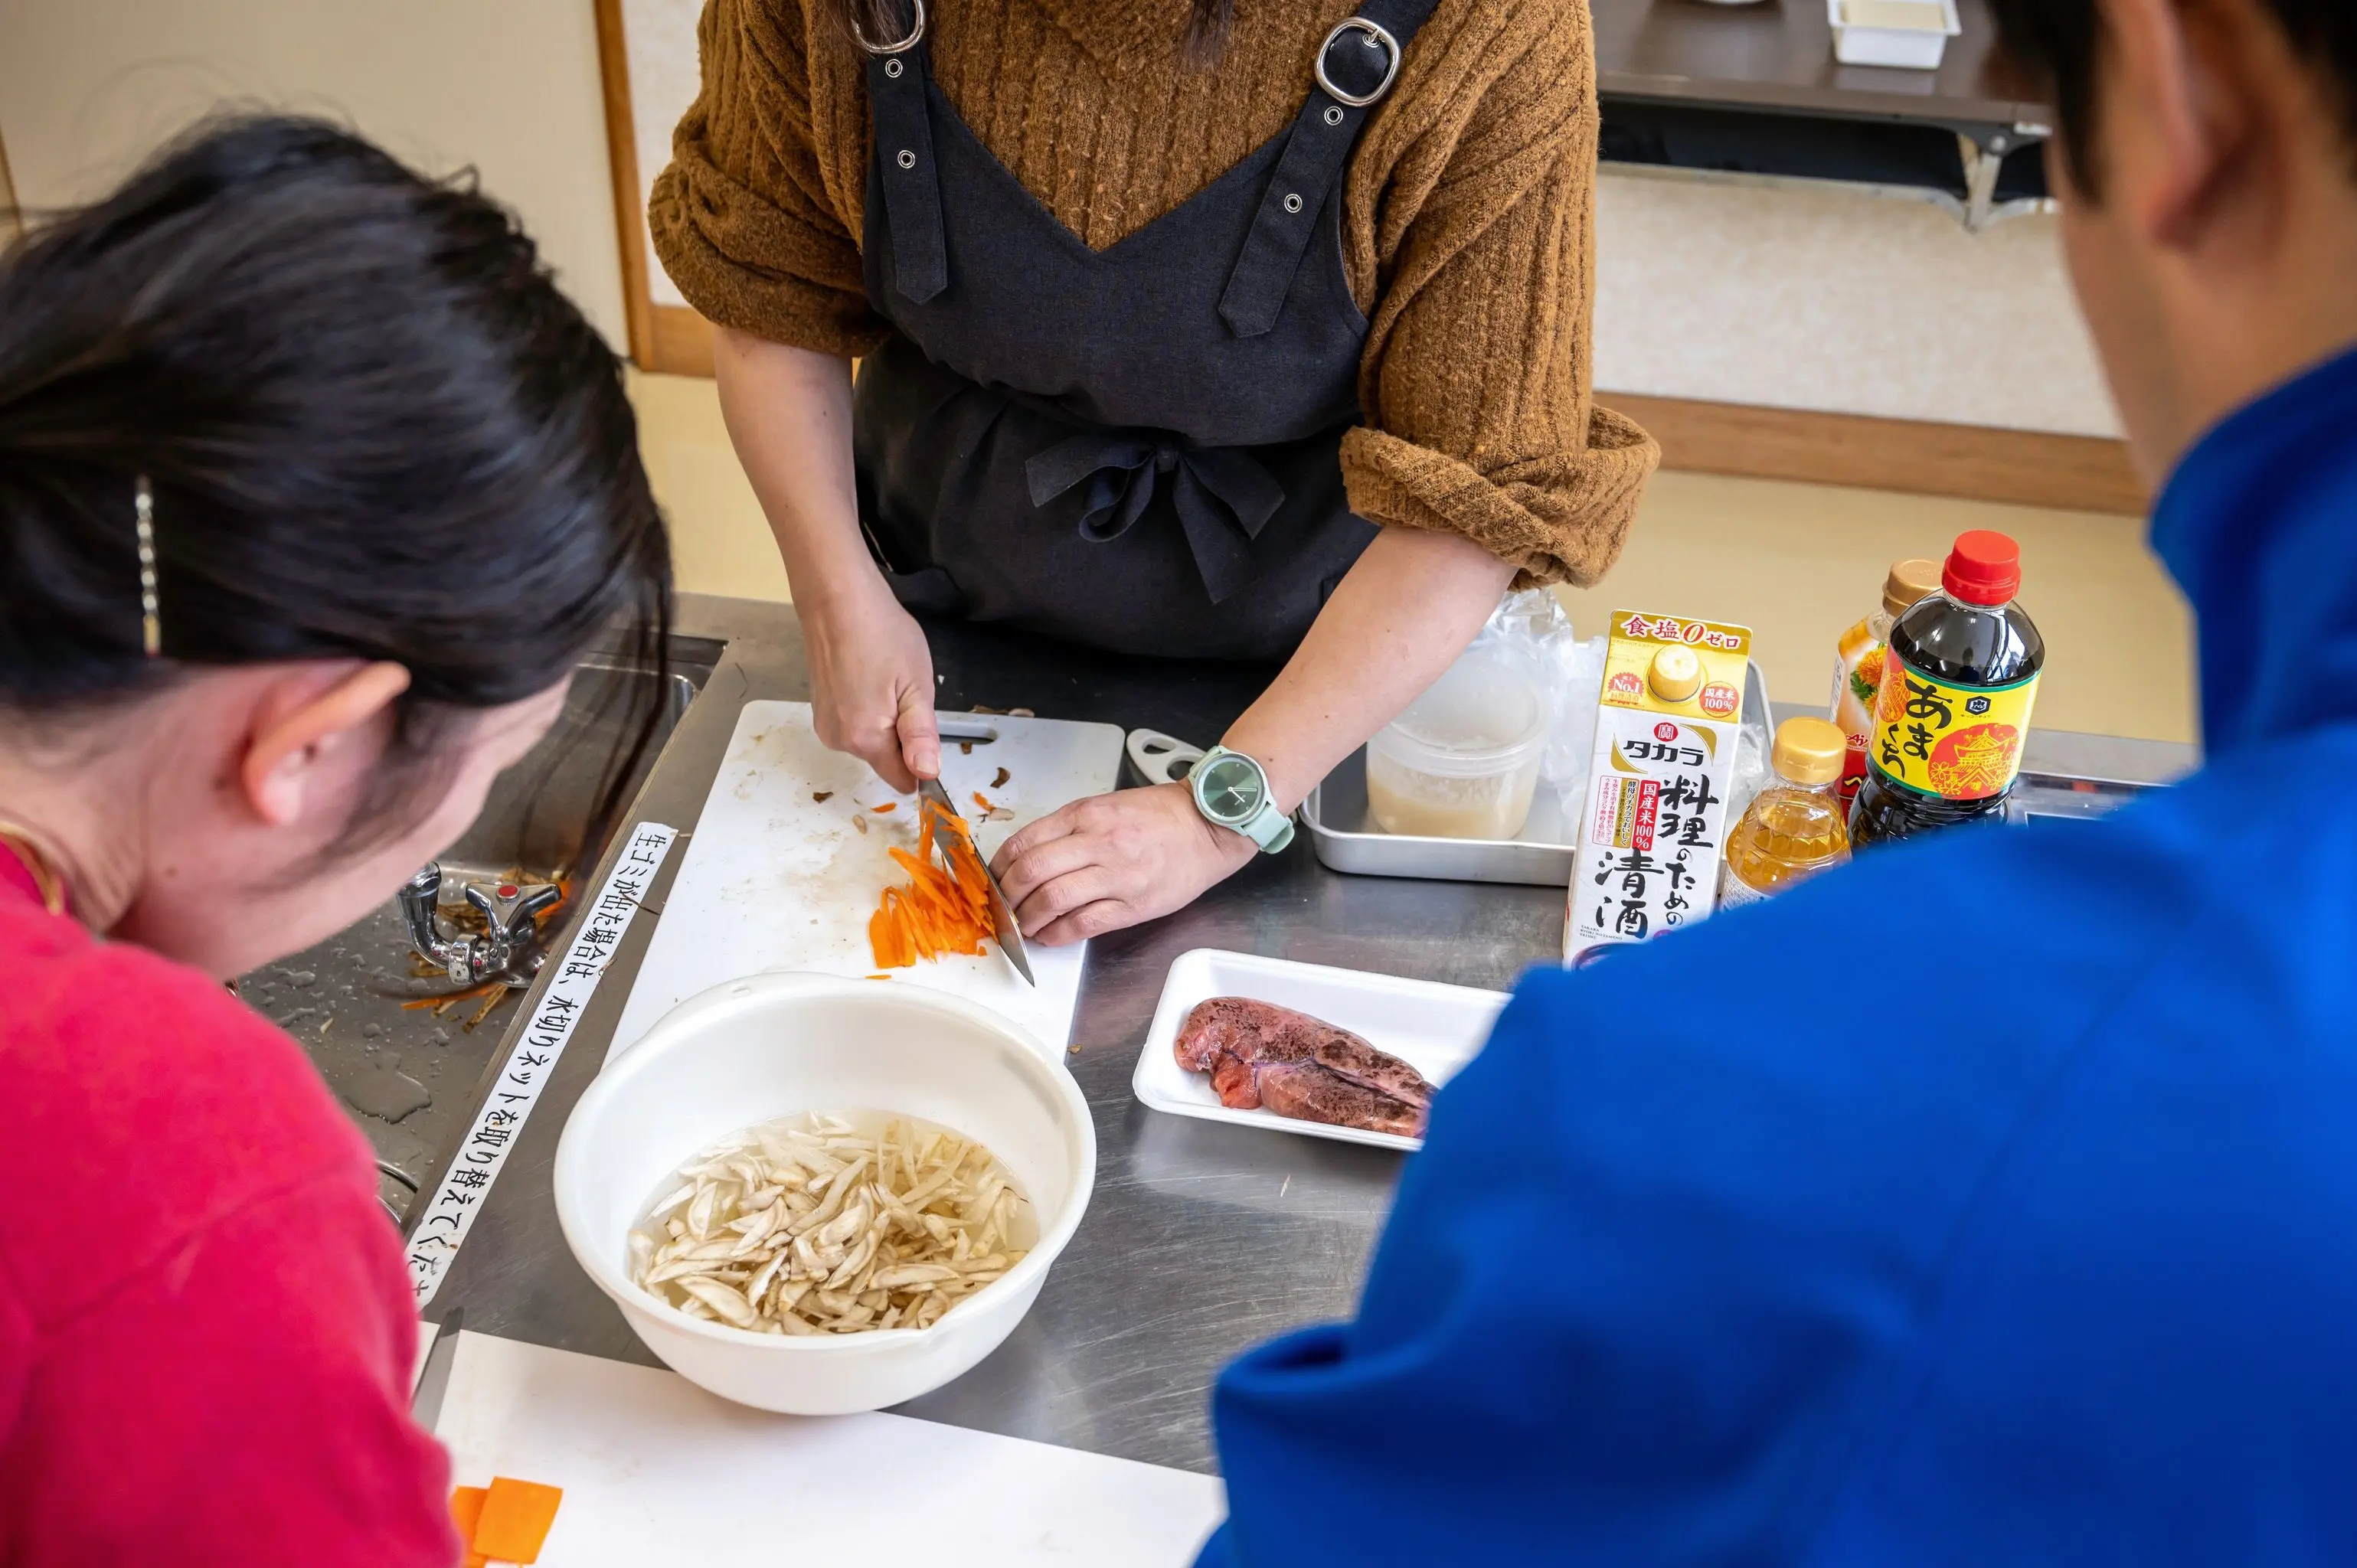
(1434,1028)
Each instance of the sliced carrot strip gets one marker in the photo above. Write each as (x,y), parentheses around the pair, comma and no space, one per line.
(515,1519)
(941,908)
(466,1507)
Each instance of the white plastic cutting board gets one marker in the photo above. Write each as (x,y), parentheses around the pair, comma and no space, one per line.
(657,1471)
(775,878)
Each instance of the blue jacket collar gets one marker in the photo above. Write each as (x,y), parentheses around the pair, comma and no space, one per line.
(2258,525)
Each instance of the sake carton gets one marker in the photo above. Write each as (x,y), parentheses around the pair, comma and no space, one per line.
(1655,827)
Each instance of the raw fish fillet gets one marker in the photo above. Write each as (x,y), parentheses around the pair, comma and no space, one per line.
(1261,1054)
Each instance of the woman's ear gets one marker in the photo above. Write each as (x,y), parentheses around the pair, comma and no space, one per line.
(301,722)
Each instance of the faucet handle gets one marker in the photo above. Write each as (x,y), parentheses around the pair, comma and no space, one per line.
(537,899)
(420,900)
(425,885)
(510,909)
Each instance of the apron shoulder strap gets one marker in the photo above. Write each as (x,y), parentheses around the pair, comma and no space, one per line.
(1356,66)
(903,154)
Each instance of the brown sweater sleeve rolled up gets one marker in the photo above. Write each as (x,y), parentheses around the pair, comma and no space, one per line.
(750,220)
(1476,379)
(1467,219)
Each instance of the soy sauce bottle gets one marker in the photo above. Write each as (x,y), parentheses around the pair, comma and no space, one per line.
(1958,683)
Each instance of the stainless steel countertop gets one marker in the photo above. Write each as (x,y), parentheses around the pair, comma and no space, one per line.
(1202,1239)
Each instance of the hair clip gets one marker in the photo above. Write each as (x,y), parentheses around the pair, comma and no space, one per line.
(151,624)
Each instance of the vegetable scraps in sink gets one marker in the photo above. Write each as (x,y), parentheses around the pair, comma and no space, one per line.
(939,910)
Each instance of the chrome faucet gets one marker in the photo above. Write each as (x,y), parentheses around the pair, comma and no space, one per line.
(508,949)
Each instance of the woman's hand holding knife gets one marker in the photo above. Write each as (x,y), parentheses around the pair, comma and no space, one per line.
(788,414)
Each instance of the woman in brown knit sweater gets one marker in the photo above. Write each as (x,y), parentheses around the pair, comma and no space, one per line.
(1188,328)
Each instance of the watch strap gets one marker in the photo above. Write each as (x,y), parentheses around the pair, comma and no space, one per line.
(1270,828)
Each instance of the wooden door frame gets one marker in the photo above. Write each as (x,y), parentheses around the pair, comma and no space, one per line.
(668,338)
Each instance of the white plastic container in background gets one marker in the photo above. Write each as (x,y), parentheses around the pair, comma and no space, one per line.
(1908,47)
(1461,761)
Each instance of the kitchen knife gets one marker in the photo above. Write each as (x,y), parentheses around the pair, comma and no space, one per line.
(1002,919)
(426,1405)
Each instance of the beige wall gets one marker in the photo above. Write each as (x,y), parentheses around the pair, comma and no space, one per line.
(87,87)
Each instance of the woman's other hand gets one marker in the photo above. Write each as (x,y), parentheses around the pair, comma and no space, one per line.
(872,687)
(1111,861)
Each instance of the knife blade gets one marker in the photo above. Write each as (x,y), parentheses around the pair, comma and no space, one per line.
(434,1381)
(1002,919)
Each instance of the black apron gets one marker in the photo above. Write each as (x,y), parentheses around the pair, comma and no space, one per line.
(1137,448)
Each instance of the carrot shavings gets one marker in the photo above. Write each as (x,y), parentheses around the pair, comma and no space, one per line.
(886,806)
(986,807)
(939,909)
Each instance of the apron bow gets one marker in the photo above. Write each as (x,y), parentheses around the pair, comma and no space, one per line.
(1222,494)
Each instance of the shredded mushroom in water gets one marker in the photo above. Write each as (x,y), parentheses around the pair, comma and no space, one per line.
(808,1225)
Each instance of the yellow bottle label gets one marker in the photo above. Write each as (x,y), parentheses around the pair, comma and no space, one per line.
(1960,743)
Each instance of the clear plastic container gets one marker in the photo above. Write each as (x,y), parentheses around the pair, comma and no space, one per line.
(1462,760)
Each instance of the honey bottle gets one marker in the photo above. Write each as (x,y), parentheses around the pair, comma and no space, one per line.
(1793,829)
(1857,664)
(1959,678)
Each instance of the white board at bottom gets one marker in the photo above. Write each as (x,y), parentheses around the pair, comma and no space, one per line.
(657,1471)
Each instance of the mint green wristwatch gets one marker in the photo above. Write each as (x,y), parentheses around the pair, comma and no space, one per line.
(1232,790)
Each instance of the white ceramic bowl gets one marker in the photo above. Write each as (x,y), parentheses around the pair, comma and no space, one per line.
(779,1044)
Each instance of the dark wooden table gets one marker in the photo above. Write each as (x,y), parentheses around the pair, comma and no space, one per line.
(1778,56)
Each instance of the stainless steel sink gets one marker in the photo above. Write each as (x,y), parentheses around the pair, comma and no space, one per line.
(406,1072)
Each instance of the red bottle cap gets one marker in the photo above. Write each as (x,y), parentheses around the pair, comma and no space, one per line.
(1985,568)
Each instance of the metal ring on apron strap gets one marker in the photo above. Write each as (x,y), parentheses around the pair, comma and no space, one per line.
(917,35)
(1377,35)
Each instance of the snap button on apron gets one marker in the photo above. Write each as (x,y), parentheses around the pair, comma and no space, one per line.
(1137,448)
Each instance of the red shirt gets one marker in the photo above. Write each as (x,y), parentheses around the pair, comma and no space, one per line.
(206,1331)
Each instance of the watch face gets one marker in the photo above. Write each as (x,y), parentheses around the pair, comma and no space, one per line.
(1231,790)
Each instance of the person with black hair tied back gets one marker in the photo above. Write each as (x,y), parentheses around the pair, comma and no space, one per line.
(313,489)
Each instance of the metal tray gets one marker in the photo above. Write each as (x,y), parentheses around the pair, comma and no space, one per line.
(1345,838)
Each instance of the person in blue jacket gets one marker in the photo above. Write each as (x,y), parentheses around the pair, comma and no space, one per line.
(2022,1228)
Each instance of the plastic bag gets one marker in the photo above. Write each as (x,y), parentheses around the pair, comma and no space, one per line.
(1532,623)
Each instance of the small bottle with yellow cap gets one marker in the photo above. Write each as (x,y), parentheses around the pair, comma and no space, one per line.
(1795,828)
